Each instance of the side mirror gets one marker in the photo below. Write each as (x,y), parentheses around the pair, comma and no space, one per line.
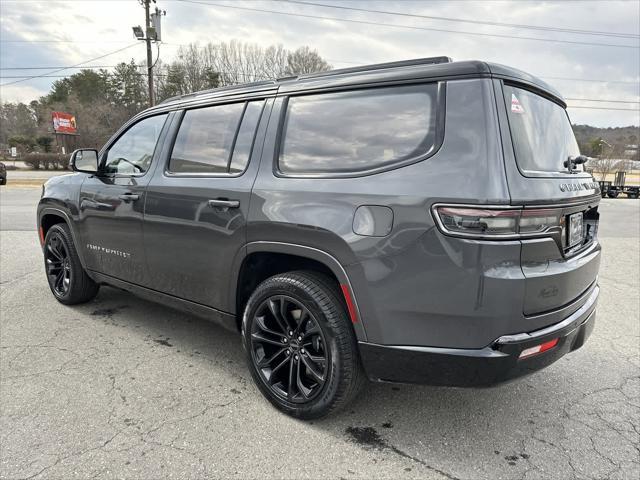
(84,160)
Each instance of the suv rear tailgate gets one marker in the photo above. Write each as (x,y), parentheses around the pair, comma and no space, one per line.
(539,146)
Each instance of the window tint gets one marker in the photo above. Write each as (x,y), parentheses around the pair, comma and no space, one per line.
(359,130)
(205,139)
(246,134)
(133,151)
(541,132)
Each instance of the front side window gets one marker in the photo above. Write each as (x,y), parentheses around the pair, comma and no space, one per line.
(132,153)
(356,131)
(541,132)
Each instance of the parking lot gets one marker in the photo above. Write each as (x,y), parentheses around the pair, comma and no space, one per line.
(121,387)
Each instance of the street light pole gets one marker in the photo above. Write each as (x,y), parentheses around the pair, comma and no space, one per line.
(149,55)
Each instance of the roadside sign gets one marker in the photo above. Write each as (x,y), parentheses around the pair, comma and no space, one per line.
(14,152)
(64,123)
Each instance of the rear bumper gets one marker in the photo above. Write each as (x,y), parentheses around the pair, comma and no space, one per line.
(493,364)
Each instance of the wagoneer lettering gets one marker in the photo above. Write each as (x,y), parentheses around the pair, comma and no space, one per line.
(401,222)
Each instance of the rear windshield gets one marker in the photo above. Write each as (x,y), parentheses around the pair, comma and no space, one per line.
(541,132)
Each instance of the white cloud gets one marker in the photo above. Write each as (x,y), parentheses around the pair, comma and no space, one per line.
(100,27)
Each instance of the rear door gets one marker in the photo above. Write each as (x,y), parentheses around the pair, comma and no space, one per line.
(197,202)
(538,144)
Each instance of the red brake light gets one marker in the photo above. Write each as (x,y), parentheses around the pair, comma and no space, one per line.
(471,221)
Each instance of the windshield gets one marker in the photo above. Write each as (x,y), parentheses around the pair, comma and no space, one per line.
(541,132)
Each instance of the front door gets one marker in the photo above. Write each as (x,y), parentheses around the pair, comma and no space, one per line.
(112,203)
(197,203)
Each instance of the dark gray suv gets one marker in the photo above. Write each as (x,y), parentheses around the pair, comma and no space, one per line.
(424,221)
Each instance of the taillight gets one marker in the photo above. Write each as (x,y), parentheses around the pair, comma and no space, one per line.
(496,223)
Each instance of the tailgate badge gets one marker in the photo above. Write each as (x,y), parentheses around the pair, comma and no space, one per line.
(575,187)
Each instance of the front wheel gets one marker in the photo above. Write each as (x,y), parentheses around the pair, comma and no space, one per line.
(68,281)
(300,346)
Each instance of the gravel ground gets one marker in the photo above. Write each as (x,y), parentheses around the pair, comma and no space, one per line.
(124,388)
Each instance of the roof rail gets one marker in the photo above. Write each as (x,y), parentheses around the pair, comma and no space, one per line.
(219,89)
(381,66)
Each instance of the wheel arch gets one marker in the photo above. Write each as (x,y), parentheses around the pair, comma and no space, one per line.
(286,257)
(50,216)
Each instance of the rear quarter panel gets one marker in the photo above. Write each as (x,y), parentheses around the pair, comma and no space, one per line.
(402,278)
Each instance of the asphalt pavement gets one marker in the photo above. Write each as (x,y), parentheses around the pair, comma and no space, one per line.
(123,388)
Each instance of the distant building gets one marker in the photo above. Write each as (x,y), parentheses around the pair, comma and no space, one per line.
(631,151)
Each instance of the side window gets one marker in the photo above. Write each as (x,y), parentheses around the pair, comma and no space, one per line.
(206,138)
(351,132)
(132,153)
(246,136)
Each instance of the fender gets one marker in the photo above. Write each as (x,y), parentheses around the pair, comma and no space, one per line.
(44,210)
(302,251)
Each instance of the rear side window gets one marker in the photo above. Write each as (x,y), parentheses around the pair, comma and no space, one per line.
(246,136)
(541,132)
(357,131)
(206,138)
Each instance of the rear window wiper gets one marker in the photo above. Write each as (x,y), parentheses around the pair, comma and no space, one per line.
(571,162)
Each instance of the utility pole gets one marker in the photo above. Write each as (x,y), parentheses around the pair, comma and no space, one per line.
(151,33)
(147,20)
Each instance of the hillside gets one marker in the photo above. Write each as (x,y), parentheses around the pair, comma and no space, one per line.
(617,137)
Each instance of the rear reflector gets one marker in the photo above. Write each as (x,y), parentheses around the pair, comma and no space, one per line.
(41,234)
(543,347)
(350,306)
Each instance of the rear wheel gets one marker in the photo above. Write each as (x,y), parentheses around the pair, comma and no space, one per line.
(633,194)
(613,193)
(68,281)
(300,346)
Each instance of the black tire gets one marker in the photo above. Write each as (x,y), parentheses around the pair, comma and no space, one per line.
(633,195)
(67,280)
(314,309)
(3,181)
(613,193)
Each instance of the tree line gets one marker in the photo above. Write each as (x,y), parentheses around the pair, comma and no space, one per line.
(103,100)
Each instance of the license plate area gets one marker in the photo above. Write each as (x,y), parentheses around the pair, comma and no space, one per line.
(575,229)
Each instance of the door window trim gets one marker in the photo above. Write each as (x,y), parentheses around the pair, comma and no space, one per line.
(441,94)
(105,151)
(174,136)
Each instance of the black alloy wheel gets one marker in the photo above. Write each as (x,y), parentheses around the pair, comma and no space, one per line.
(289,349)
(67,279)
(300,346)
(58,265)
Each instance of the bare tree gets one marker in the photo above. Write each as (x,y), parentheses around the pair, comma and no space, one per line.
(305,60)
(197,68)
(603,166)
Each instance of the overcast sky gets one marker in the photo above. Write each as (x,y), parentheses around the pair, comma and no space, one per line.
(63,33)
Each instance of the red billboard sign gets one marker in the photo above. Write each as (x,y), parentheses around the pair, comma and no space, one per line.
(64,123)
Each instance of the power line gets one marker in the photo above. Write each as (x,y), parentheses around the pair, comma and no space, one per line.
(605,108)
(72,66)
(590,80)
(601,100)
(410,27)
(475,22)
(49,68)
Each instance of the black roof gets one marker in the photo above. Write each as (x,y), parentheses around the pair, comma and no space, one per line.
(432,68)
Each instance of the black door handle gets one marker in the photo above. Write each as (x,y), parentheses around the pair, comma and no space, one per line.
(129,197)
(220,202)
